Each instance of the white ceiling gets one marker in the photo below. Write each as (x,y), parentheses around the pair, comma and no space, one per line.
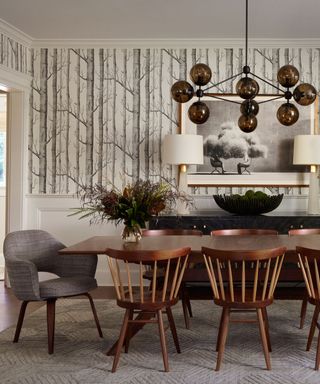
(162,19)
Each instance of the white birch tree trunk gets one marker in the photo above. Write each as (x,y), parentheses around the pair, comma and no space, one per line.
(124,120)
(67,159)
(147,115)
(60,125)
(30,135)
(160,112)
(54,121)
(43,120)
(77,111)
(89,121)
(100,117)
(183,64)
(114,133)
(136,116)
(275,65)
(229,67)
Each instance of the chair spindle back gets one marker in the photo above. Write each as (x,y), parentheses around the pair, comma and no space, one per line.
(243,232)
(171,262)
(309,260)
(243,276)
(171,232)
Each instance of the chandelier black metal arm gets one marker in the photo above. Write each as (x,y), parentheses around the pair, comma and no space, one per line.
(247,88)
(222,82)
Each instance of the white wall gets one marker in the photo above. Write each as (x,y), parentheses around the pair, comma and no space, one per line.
(51,213)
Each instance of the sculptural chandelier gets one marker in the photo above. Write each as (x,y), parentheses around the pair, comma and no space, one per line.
(247,88)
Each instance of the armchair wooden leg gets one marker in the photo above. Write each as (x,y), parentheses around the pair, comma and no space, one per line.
(20,321)
(303,311)
(264,338)
(51,312)
(93,308)
(163,341)
(313,326)
(223,331)
(121,340)
(173,329)
(266,323)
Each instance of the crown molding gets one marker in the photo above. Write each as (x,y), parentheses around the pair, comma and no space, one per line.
(27,40)
(176,43)
(15,33)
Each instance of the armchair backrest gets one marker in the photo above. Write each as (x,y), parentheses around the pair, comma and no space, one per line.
(36,246)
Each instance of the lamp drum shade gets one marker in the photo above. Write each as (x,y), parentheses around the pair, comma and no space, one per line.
(306,150)
(183,149)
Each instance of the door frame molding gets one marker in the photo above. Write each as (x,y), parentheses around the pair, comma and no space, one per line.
(17,86)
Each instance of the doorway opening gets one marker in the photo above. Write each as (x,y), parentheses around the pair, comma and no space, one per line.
(3,173)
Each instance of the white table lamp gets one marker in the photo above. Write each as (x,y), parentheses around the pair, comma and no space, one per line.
(306,151)
(183,150)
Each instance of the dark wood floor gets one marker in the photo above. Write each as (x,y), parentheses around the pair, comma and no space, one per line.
(10,305)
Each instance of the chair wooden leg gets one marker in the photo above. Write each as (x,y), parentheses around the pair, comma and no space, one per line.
(186,306)
(313,326)
(173,329)
(20,321)
(121,340)
(223,331)
(128,334)
(303,311)
(188,302)
(163,341)
(185,312)
(318,354)
(219,332)
(93,308)
(266,323)
(51,314)
(264,338)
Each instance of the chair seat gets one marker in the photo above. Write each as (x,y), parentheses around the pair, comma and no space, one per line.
(66,286)
(237,302)
(147,304)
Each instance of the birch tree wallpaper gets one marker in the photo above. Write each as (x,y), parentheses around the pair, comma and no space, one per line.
(13,55)
(99,115)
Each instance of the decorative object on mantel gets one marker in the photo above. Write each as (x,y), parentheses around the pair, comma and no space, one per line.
(247,88)
(183,150)
(133,206)
(252,203)
(306,151)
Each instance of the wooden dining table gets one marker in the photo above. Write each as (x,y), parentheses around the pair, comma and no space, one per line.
(98,245)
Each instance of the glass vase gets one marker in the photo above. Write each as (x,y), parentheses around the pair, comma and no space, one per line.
(131,234)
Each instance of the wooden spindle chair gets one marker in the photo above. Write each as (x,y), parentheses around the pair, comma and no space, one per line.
(309,260)
(143,300)
(243,232)
(243,281)
(298,232)
(184,295)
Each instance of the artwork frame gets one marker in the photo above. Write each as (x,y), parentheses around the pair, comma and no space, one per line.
(308,124)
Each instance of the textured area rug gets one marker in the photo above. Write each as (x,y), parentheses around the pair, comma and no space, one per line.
(79,352)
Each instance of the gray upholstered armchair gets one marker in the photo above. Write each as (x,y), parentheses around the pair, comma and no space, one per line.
(29,252)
